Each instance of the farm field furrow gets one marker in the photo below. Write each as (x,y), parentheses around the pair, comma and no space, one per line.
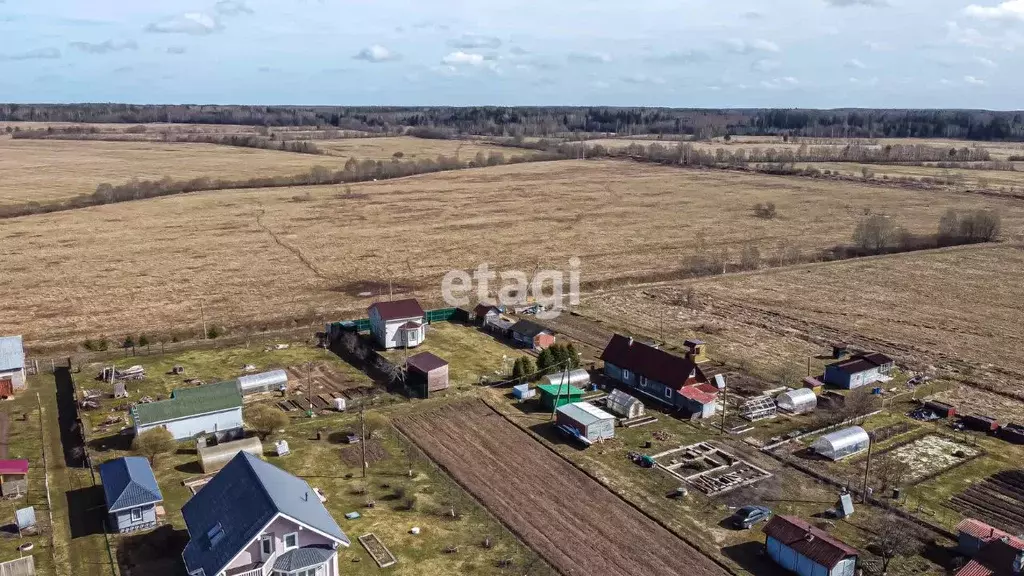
(43,170)
(576,524)
(956,309)
(256,257)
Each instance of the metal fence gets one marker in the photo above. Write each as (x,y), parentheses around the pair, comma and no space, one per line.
(21,567)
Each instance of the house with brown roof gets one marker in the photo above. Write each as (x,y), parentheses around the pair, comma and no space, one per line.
(486,313)
(397,324)
(670,380)
(993,552)
(807,550)
(859,370)
(426,374)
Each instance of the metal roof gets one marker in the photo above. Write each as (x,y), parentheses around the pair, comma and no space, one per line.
(585,413)
(559,390)
(12,353)
(188,402)
(529,328)
(651,362)
(128,482)
(398,309)
(13,466)
(862,362)
(796,399)
(263,379)
(242,498)
(426,362)
(698,394)
(620,401)
(300,558)
(808,541)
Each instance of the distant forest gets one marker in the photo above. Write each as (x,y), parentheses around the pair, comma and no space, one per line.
(448,122)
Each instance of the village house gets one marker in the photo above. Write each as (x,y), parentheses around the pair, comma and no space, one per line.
(190,412)
(671,380)
(993,552)
(12,365)
(799,547)
(254,519)
(859,370)
(532,335)
(484,314)
(131,494)
(397,324)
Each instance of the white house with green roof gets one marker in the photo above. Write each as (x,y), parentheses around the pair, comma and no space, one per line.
(203,410)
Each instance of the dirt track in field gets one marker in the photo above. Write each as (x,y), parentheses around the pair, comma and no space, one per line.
(573,522)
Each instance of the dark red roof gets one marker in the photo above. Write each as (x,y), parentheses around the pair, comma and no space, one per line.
(398,309)
(651,362)
(995,558)
(485,309)
(425,362)
(13,466)
(987,533)
(698,394)
(863,362)
(808,541)
(974,568)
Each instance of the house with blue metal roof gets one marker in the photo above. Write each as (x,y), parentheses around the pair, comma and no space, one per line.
(254,519)
(131,493)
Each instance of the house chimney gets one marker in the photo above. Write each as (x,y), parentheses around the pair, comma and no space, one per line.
(630,340)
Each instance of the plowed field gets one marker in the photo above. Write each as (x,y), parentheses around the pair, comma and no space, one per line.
(576,524)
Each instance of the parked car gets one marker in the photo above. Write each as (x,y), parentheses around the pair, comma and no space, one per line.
(746,517)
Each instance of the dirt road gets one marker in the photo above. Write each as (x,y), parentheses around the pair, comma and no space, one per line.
(573,522)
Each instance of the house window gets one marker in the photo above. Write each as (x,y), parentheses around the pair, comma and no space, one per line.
(643,381)
(136,514)
(693,373)
(668,392)
(267,544)
(215,534)
(291,540)
(626,375)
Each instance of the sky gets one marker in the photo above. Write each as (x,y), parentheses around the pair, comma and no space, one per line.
(678,53)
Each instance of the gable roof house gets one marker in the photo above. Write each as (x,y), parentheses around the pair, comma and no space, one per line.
(254,519)
(532,335)
(484,313)
(397,324)
(131,493)
(859,370)
(189,412)
(672,380)
(799,547)
(12,365)
(426,373)
(993,552)
(13,477)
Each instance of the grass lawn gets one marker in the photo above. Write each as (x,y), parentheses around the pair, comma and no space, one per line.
(471,353)
(209,366)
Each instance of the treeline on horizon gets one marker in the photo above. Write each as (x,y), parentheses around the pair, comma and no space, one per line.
(556,121)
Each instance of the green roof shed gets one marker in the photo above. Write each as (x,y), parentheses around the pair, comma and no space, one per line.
(564,394)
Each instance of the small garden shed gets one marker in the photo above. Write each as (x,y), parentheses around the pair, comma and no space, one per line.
(586,422)
(553,396)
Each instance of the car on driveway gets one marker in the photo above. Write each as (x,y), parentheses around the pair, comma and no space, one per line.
(746,517)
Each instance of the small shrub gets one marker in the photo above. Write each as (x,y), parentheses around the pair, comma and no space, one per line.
(213,332)
(766,210)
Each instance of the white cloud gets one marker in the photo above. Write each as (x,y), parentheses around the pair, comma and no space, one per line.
(778,83)
(643,79)
(1009,11)
(105,46)
(680,57)
(765,65)
(1002,39)
(945,81)
(176,50)
(855,64)
(600,84)
(844,3)
(474,41)
(456,58)
(739,46)
(972,80)
(877,46)
(868,82)
(590,57)
(375,54)
(985,62)
(232,8)
(194,23)
(36,54)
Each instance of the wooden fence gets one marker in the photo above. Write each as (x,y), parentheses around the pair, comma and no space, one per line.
(21,567)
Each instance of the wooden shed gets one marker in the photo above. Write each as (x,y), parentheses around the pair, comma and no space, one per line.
(696,350)
(980,423)
(586,422)
(426,374)
(552,396)
(13,477)
(942,409)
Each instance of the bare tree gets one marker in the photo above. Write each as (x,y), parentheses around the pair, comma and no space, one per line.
(875,233)
(893,537)
(891,471)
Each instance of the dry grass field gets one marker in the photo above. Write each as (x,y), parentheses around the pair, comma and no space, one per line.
(412,148)
(957,309)
(965,179)
(42,170)
(257,257)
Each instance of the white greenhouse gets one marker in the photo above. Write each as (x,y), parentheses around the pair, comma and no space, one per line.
(578,378)
(624,405)
(842,443)
(264,382)
(797,401)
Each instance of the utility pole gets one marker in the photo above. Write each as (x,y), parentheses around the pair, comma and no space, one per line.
(362,436)
(309,387)
(867,470)
(725,402)
(558,395)
(202,313)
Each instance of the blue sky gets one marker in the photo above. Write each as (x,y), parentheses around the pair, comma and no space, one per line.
(699,53)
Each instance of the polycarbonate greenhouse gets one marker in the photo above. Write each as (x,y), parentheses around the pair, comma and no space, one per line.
(797,401)
(264,382)
(624,405)
(842,443)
